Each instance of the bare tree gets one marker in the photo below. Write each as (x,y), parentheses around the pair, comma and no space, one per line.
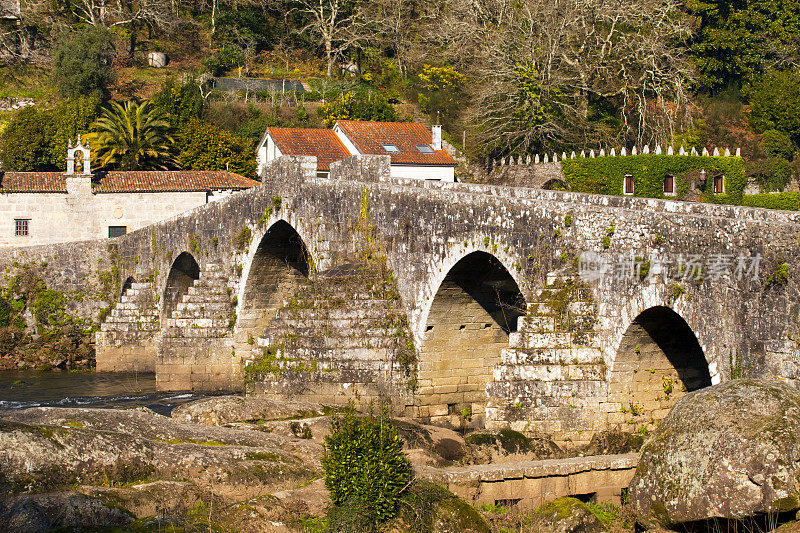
(335,23)
(544,67)
(154,14)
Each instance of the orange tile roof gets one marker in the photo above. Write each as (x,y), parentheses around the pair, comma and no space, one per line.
(370,136)
(165,180)
(304,141)
(33,182)
(128,181)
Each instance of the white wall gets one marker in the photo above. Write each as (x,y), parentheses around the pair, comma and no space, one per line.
(423,173)
(269,151)
(61,217)
(345,140)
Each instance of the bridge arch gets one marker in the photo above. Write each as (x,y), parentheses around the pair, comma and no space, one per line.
(658,360)
(182,274)
(555,184)
(129,281)
(278,265)
(467,324)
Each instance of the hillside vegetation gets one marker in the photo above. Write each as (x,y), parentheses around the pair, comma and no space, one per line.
(503,77)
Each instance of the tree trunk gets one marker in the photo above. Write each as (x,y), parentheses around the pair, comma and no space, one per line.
(329,55)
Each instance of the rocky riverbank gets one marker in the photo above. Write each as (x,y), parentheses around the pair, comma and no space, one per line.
(253,464)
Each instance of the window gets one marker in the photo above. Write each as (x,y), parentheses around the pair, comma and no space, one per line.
(719,184)
(425,148)
(391,148)
(669,185)
(628,184)
(117,231)
(21,227)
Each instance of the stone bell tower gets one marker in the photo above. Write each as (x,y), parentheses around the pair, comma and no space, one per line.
(79,183)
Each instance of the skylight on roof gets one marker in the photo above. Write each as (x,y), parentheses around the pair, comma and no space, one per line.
(391,148)
(425,148)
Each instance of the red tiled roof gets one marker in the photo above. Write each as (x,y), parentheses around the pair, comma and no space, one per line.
(33,182)
(128,181)
(166,180)
(302,141)
(369,138)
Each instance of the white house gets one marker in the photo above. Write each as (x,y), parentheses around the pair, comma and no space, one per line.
(51,207)
(415,151)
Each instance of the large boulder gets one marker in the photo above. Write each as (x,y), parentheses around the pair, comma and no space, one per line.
(731,451)
(566,515)
(43,512)
(222,410)
(509,446)
(426,506)
(52,448)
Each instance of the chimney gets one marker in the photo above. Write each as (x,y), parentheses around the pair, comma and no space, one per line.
(436,135)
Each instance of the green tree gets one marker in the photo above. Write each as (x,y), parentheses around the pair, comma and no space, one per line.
(365,468)
(777,144)
(132,137)
(357,105)
(179,103)
(25,143)
(206,147)
(774,104)
(441,91)
(82,62)
(36,139)
(737,40)
(69,119)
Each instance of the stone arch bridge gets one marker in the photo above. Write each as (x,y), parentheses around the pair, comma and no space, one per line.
(459,302)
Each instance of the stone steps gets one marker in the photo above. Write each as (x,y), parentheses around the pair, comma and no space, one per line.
(551,372)
(531,339)
(191,332)
(315,342)
(364,312)
(544,356)
(205,310)
(133,319)
(369,325)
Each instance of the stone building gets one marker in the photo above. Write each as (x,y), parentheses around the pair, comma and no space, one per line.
(51,207)
(415,152)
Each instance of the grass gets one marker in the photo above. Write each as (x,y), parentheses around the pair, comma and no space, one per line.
(28,81)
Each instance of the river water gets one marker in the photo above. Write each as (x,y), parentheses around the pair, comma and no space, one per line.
(21,389)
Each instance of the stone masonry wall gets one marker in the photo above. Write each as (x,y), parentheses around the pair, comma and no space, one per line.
(422,230)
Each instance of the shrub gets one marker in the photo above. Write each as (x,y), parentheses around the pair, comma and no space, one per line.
(179,103)
(365,468)
(357,105)
(774,104)
(36,139)
(206,147)
(773,174)
(789,201)
(82,62)
(224,58)
(777,144)
(25,143)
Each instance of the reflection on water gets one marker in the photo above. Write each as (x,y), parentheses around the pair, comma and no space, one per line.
(21,389)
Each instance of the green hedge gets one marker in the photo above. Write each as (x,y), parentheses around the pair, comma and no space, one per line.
(789,201)
(605,175)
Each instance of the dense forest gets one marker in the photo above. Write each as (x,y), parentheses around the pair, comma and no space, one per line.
(504,77)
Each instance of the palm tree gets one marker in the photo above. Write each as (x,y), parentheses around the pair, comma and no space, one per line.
(132,137)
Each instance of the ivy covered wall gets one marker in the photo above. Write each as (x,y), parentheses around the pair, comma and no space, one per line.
(606,175)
